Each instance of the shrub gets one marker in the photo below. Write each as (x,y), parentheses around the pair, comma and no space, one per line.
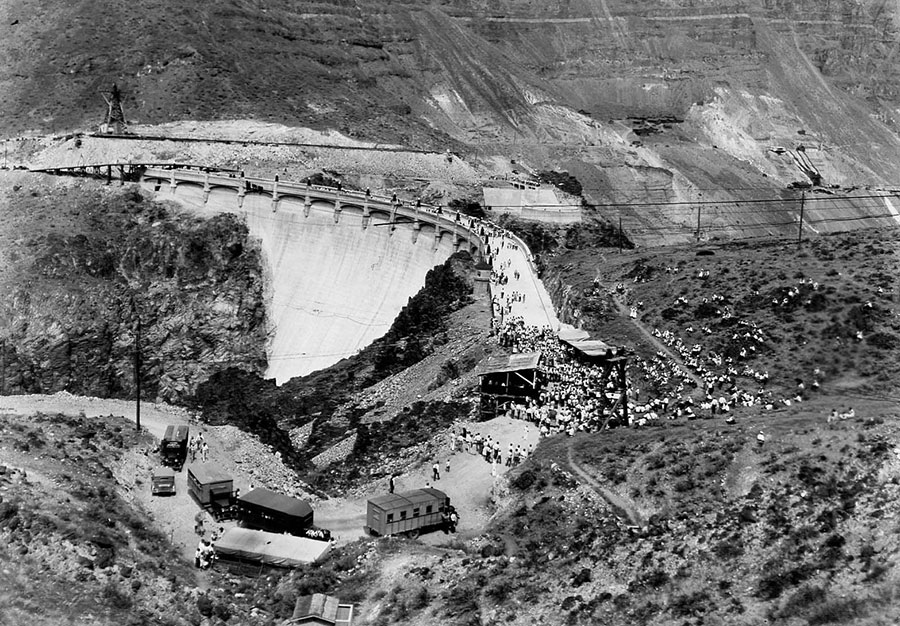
(773,585)
(468,207)
(706,310)
(729,549)
(686,605)
(524,480)
(801,600)
(883,340)
(461,602)
(837,612)
(116,597)
(205,606)
(563,180)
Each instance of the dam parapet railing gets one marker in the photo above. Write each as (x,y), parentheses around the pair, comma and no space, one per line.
(462,227)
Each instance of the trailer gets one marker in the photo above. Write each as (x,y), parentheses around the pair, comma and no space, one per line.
(174,446)
(212,488)
(410,513)
(263,509)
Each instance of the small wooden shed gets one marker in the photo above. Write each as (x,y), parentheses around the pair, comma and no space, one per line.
(209,484)
(509,379)
(320,609)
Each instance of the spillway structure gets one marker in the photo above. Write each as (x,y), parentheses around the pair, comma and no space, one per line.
(341,265)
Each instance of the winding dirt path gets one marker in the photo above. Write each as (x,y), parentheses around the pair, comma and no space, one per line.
(623,509)
(648,335)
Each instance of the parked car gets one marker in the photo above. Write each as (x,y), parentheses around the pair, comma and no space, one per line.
(162,482)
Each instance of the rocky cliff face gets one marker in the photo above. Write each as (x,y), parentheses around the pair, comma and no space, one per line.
(74,298)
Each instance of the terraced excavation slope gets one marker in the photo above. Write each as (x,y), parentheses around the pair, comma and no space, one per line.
(655,106)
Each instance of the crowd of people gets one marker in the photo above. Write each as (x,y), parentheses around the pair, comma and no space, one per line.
(684,381)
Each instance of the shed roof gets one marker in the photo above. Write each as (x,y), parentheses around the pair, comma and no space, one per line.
(209,473)
(321,608)
(509,363)
(572,334)
(595,347)
(408,498)
(277,502)
(316,605)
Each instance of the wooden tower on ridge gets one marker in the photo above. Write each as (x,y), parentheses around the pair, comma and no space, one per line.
(114,123)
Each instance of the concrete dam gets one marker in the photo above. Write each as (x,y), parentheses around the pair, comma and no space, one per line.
(341,265)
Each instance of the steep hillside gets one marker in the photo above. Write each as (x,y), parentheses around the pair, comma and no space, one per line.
(73,546)
(825,310)
(657,108)
(81,264)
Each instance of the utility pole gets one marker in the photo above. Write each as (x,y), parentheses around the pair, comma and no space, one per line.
(698,222)
(620,234)
(137,364)
(800,230)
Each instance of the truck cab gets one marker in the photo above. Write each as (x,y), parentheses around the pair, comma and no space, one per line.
(174,445)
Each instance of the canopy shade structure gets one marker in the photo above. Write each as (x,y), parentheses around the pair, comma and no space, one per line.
(594,348)
(509,363)
(269,548)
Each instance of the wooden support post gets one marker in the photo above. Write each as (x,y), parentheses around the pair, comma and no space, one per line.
(800,229)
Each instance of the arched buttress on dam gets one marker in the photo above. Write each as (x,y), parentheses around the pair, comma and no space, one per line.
(336,279)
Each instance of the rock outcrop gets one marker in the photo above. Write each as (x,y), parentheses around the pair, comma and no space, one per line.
(70,319)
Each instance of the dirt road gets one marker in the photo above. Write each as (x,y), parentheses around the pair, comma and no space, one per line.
(469,482)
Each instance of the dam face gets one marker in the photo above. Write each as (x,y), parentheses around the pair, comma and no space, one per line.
(334,287)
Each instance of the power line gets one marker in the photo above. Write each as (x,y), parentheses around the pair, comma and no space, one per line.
(693,203)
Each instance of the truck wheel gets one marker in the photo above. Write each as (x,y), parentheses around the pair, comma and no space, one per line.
(413,534)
